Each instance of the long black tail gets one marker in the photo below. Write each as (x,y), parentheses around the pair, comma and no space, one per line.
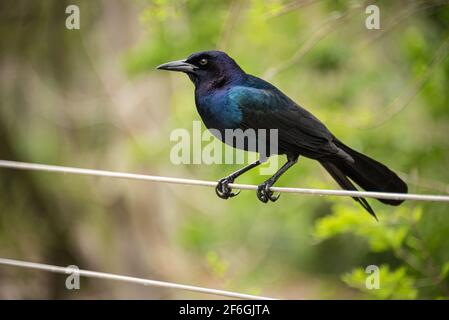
(368,173)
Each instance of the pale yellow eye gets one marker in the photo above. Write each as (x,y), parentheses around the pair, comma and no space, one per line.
(203,62)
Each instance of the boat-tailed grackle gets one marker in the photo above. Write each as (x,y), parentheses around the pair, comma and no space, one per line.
(228,98)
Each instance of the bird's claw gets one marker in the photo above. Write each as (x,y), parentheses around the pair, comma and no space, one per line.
(264,193)
(223,190)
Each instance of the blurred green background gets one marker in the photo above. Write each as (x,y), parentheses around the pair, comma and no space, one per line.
(92,98)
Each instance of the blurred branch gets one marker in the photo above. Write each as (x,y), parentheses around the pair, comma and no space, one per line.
(231,18)
(394,21)
(409,93)
(322,31)
(418,181)
(289,7)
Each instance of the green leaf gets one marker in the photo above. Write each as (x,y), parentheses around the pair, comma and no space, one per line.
(217,265)
(392,284)
(444,270)
(388,234)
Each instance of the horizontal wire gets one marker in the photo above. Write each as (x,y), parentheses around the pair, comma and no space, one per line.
(193,182)
(141,281)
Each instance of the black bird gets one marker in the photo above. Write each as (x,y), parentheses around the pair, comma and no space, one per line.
(228,98)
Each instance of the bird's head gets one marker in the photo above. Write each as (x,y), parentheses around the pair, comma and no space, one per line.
(211,67)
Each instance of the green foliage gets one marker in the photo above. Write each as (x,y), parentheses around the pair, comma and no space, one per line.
(217,265)
(397,233)
(392,284)
(389,234)
(445,270)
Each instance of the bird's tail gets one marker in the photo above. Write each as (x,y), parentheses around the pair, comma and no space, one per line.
(368,173)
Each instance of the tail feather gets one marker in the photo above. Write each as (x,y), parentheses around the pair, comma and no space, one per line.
(367,173)
(371,175)
(346,184)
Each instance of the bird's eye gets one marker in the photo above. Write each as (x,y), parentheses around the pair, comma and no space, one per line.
(203,62)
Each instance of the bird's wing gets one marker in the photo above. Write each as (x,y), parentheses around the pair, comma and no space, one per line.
(271,109)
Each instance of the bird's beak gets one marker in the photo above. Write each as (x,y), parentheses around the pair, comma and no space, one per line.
(178,65)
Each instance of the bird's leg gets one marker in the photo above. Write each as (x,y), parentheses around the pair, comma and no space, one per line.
(263,191)
(223,190)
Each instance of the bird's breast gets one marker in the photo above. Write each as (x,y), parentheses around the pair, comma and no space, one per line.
(217,112)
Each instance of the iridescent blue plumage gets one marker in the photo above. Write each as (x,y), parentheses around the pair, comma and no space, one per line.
(217,111)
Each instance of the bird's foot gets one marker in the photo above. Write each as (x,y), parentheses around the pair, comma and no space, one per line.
(223,190)
(264,193)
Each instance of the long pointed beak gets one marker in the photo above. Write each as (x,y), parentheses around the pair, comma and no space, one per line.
(178,65)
